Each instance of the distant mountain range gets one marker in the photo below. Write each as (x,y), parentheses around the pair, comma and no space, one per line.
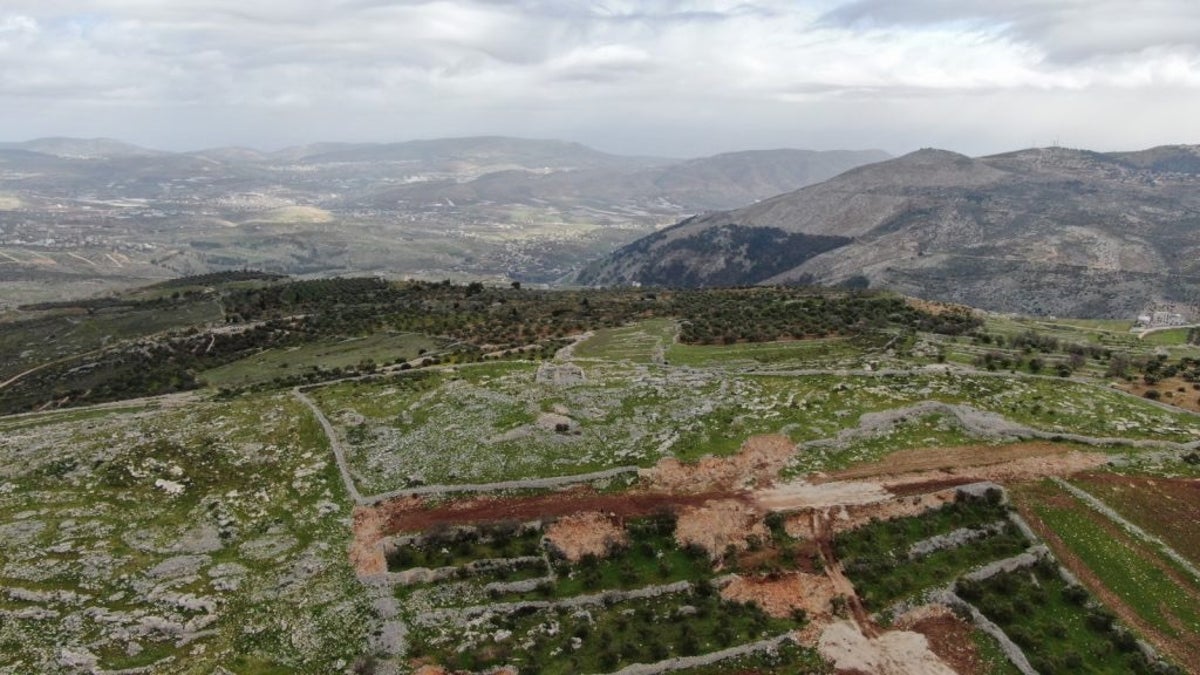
(81,215)
(1042,231)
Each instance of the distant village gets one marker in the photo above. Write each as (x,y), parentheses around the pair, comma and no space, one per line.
(1159,319)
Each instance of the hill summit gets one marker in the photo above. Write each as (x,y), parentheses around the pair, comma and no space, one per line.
(1042,231)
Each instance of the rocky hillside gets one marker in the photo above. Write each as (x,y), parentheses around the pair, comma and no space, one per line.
(1044,231)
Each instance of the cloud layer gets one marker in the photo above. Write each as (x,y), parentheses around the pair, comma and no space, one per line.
(668,77)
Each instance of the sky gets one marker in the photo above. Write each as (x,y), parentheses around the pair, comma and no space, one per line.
(670,78)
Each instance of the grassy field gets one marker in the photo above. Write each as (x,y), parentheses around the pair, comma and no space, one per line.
(1053,625)
(379,348)
(1164,507)
(822,352)
(1164,597)
(1174,337)
(639,343)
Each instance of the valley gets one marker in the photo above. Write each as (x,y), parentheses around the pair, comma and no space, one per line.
(83,217)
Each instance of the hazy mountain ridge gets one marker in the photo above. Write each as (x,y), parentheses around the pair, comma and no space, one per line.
(88,213)
(1047,230)
(82,148)
(717,182)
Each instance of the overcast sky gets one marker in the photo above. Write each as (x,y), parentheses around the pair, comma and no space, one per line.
(682,78)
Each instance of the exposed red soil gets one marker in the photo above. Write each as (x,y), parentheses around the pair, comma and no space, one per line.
(416,514)
(365,554)
(782,594)
(1169,392)
(1167,507)
(841,583)
(1014,471)
(949,637)
(851,517)
(757,464)
(582,534)
(405,516)
(719,526)
(1181,650)
(803,556)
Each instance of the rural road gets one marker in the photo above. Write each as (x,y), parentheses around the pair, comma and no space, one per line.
(339,454)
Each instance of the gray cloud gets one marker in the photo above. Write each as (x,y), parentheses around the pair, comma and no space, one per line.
(1068,30)
(672,76)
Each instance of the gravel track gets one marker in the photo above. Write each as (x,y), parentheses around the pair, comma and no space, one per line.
(679,663)
(335,444)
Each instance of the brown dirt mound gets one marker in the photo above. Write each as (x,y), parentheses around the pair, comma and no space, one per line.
(582,534)
(902,507)
(892,653)
(369,527)
(804,495)
(780,596)
(848,517)
(718,526)
(1017,470)
(757,464)
(949,637)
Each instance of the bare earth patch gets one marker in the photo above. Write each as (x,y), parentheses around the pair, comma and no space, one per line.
(1038,459)
(910,471)
(805,495)
(781,595)
(1174,391)
(757,464)
(949,637)
(366,555)
(938,308)
(414,514)
(892,653)
(842,519)
(718,526)
(1167,507)
(582,534)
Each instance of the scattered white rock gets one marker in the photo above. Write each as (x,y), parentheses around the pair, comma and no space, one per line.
(169,486)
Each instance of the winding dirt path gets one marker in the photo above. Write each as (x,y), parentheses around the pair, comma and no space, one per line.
(335,444)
